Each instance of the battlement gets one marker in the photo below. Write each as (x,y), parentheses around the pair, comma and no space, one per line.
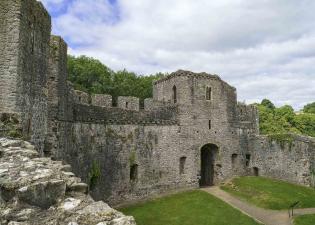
(102,100)
(95,114)
(179,73)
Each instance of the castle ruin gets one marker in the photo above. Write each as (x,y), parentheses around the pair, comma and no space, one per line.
(192,133)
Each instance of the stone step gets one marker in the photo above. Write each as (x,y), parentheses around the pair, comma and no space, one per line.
(79,187)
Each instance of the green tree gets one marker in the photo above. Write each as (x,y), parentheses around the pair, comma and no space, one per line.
(282,120)
(309,108)
(89,75)
(267,103)
(305,123)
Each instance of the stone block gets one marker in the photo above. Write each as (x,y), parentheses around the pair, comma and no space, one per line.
(43,194)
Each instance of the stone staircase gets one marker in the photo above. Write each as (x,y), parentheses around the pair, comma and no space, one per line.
(36,190)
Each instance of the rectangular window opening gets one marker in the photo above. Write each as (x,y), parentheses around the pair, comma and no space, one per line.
(247,161)
(208,93)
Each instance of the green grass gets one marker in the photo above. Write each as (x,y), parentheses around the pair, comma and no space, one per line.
(187,208)
(270,194)
(305,220)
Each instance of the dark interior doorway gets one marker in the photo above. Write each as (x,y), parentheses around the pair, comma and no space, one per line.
(208,155)
(256,171)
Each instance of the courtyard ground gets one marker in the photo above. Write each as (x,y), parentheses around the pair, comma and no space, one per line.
(269,193)
(305,220)
(187,208)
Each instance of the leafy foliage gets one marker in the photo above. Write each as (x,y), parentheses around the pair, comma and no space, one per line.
(90,75)
(94,175)
(10,126)
(309,108)
(281,120)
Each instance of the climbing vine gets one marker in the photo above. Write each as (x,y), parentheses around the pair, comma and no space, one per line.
(94,175)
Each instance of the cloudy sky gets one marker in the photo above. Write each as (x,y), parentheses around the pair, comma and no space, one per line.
(265,48)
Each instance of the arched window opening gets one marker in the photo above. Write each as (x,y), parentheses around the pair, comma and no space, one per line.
(182,162)
(133,172)
(234,160)
(174,94)
(208,93)
(247,159)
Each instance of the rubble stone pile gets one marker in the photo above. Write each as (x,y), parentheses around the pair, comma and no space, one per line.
(36,190)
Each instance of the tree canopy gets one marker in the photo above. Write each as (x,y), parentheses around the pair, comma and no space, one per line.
(274,120)
(90,75)
(309,108)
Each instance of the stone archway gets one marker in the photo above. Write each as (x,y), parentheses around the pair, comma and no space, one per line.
(207,155)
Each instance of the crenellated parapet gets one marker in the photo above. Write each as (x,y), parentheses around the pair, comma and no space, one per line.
(128,103)
(102,100)
(114,115)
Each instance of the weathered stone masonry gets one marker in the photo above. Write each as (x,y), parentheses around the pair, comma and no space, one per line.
(193,132)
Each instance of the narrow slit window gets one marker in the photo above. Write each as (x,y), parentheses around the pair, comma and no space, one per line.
(234,159)
(247,159)
(210,125)
(174,94)
(208,93)
(127,104)
(134,172)
(182,162)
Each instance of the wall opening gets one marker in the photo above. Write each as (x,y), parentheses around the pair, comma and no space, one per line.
(127,104)
(208,93)
(247,159)
(209,124)
(182,162)
(133,172)
(174,94)
(234,160)
(208,156)
(256,171)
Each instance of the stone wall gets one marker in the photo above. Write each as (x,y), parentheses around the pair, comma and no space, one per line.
(40,191)
(9,52)
(290,158)
(116,148)
(102,100)
(128,102)
(25,47)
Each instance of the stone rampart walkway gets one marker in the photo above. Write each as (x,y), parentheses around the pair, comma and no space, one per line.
(264,216)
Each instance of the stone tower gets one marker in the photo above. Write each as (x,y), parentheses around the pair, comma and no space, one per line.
(25,28)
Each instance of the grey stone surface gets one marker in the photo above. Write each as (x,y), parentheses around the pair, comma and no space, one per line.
(33,192)
(128,103)
(290,161)
(102,100)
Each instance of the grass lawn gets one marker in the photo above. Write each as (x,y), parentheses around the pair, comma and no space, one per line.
(271,194)
(305,220)
(187,208)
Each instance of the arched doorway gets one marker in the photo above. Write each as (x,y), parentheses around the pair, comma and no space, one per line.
(208,155)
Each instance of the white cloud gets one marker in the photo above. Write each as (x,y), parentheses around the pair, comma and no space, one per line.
(266,48)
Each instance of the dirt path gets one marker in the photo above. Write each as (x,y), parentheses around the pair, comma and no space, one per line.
(264,216)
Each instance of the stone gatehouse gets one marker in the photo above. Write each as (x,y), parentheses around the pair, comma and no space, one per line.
(192,133)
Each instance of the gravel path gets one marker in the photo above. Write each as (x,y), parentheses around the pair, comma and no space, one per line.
(264,216)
